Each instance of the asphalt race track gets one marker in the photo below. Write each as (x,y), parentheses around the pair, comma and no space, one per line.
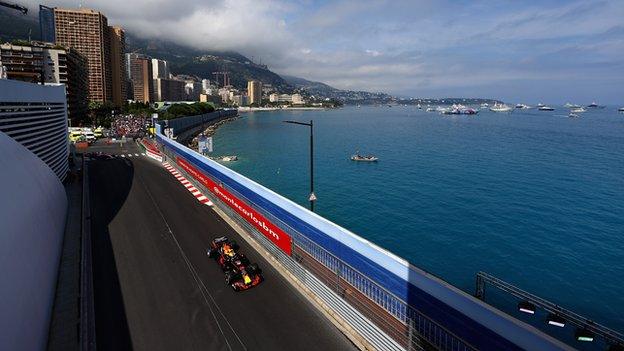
(155,288)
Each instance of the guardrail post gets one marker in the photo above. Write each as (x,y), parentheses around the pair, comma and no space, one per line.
(480,287)
(410,334)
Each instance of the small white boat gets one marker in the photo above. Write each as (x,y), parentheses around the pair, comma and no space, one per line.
(569,105)
(485,105)
(523,106)
(430,109)
(546,108)
(540,105)
(229,158)
(364,158)
(621,109)
(578,110)
(573,115)
(500,108)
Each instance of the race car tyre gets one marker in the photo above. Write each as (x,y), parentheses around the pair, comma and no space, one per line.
(253,268)
(230,277)
(234,245)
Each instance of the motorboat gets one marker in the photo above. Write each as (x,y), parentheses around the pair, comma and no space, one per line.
(546,108)
(500,108)
(578,110)
(540,105)
(485,105)
(419,107)
(569,105)
(621,109)
(364,158)
(430,109)
(594,105)
(458,109)
(228,158)
(523,106)
(573,115)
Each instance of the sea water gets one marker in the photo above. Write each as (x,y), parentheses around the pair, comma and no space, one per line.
(532,197)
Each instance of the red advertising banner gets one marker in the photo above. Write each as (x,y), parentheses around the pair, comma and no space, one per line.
(268,229)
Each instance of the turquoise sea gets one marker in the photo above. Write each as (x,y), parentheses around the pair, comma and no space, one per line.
(535,198)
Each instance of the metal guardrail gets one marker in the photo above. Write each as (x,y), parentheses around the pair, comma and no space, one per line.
(610,336)
(87,309)
(379,311)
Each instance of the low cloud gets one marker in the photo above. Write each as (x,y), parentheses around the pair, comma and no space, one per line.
(419,48)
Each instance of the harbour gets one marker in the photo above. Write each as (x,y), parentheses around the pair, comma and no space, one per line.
(491,192)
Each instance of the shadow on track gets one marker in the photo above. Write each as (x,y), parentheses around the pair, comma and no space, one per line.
(107,197)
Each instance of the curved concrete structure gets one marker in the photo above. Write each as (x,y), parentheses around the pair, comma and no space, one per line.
(33,209)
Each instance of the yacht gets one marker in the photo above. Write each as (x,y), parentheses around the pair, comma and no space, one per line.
(540,105)
(569,105)
(500,108)
(459,109)
(594,105)
(546,108)
(621,109)
(362,158)
(523,106)
(578,110)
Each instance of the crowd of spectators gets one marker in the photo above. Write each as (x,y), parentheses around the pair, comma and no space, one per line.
(130,126)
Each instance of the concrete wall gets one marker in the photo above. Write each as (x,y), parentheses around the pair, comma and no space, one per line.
(33,208)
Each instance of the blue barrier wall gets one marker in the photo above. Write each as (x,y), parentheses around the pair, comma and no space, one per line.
(467,317)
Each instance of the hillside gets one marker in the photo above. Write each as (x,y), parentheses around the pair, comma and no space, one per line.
(14,25)
(201,63)
(313,88)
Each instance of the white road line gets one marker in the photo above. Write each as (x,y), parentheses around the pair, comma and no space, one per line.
(123,155)
(196,192)
(204,292)
(137,155)
(129,155)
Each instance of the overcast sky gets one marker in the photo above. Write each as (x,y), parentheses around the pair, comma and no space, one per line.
(520,51)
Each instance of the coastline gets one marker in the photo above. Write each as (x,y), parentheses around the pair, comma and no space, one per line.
(259,109)
(211,129)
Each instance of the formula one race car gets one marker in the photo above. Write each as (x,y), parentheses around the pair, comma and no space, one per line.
(240,274)
(243,277)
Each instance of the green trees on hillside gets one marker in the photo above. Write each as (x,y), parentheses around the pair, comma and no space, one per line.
(183,110)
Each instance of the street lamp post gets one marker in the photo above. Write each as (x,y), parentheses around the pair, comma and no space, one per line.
(312,197)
